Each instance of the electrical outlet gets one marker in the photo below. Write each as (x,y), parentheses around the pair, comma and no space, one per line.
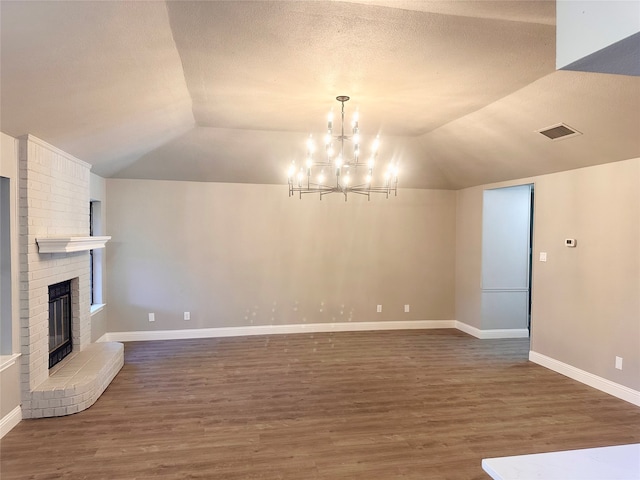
(379,309)
(152,317)
(187,315)
(406,308)
(619,363)
(543,256)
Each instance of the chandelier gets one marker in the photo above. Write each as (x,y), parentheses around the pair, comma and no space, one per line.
(335,173)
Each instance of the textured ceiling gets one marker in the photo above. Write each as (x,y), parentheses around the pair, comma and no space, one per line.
(229,91)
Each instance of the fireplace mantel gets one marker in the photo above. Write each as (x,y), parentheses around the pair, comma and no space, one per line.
(70,244)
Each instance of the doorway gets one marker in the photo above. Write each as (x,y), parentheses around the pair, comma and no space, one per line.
(507,234)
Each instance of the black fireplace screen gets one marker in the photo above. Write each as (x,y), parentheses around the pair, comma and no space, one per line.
(59,322)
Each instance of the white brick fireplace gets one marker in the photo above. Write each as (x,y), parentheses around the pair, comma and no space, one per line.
(54,202)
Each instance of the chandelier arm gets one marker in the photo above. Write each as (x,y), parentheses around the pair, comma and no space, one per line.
(314,190)
(322,194)
(359,192)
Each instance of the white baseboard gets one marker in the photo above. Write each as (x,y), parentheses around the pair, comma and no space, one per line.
(309,328)
(274,330)
(494,333)
(599,383)
(10,420)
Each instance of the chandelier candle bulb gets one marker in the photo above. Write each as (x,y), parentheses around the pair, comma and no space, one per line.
(344,164)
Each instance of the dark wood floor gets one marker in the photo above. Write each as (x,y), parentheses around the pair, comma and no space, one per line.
(422,405)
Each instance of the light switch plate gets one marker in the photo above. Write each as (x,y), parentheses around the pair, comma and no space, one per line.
(543,256)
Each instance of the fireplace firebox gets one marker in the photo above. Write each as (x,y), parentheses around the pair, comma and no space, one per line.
(60,343)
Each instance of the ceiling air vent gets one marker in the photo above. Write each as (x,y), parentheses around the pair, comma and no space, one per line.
(559,132)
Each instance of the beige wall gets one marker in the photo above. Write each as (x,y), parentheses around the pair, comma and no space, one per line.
(469,256)
(586,300)
(237,254)
(98,324)
(9,389)
(586,306)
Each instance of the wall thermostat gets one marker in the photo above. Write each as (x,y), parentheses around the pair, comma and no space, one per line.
(570,242)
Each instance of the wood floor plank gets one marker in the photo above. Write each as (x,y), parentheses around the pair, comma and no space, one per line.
(354,405)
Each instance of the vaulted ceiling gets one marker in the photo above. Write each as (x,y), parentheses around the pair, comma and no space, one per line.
(230,91)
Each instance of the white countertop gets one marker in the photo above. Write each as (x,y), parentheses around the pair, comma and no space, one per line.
(605,463)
